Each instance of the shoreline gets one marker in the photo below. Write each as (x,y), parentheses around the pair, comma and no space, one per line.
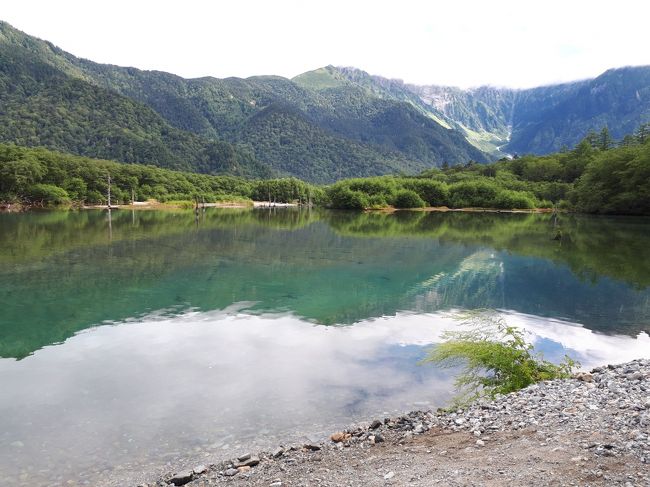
(148,205)
(445,209)
(591,429)
(155,205)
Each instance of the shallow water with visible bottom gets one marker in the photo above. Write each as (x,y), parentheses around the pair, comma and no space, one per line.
(134,343)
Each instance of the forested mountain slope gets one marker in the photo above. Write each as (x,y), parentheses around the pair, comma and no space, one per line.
(321,125)
(47,103)
(378,134)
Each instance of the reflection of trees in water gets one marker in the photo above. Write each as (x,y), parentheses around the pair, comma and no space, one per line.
(592,246)
(329,267)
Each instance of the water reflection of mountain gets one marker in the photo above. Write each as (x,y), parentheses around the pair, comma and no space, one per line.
(60,273)
(502,281)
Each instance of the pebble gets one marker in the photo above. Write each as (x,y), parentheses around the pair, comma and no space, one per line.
(613,400)
(181,478)
(338,437)
(249,461)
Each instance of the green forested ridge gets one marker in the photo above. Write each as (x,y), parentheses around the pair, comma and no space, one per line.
(320,126)
(286,136)
(229,107)
(59,101)
(44,105)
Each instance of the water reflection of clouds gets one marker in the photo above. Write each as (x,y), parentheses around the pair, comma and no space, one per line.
(551,336)
(134,391)
(590,348)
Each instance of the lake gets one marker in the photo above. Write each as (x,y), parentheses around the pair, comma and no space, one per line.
(135,344)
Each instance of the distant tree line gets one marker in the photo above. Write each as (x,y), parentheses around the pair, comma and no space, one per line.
(40,177)
(597,176)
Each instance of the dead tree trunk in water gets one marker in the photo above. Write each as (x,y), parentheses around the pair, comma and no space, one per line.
(109,192)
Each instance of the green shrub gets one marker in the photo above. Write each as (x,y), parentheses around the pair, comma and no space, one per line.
(95,197)
(496,358)
(377,201)
(76,188)
(48,194)
(473,193)
(342,197)
(507,199)
(407,198)
(373,186)
(434,193)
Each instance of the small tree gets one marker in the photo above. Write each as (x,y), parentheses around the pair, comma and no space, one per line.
(496,358)
(643,133)
(605,141)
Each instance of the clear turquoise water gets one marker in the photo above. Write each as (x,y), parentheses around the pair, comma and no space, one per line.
(159,337)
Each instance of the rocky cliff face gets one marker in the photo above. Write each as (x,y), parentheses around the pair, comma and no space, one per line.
(537,120)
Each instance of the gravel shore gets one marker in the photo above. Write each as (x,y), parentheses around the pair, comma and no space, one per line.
(592,430)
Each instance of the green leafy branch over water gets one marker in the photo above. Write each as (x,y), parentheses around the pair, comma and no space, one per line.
(496,357)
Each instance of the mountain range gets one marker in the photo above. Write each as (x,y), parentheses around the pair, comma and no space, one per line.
(321,126)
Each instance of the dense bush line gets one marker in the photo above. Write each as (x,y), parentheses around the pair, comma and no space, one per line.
(42,177)
(594,177)
(408,192)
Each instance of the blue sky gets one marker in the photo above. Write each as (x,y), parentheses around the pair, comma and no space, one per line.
(464,43)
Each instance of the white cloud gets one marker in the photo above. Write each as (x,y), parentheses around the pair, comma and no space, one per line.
(505,42)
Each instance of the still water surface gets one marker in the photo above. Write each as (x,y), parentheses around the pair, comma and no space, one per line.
(162,339)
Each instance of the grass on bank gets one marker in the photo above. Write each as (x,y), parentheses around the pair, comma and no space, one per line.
(496,358)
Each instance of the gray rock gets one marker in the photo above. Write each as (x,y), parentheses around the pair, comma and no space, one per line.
(181,478)
(616,402)
(249,461)
(231,472)
(200,470)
